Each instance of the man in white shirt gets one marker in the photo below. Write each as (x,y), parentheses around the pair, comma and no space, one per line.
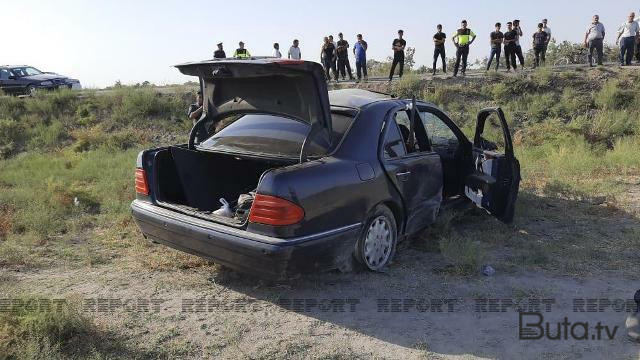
(546,29)
(627,34)
(593,39)
(294,51)
(276,51)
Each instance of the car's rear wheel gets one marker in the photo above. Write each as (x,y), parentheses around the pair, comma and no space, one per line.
(377,243)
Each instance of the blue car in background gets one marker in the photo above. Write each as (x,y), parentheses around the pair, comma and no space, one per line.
(26,80)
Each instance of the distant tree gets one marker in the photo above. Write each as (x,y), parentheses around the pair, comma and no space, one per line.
(409,61)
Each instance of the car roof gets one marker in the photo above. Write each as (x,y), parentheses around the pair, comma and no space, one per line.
(355,98)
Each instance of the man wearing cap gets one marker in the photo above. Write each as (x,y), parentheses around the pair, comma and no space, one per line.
(219,54)
(196,109)
(463,38)
(241,52)
(398,46)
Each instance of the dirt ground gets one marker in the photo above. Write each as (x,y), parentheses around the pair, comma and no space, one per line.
(417,309)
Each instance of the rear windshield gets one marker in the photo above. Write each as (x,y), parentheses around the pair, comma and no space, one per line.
(273,135)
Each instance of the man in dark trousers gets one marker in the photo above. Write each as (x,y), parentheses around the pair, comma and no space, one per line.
(398,46)
(219,54)
(438,40)
(519,54)
(463,38)
(343,57)
(510,46)
(495,38)
(360,52)
(328,56)
(540,40)
(594,40)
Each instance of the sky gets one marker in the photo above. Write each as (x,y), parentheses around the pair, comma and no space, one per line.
(100,42)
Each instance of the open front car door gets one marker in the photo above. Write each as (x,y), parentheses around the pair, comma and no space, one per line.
(495,178)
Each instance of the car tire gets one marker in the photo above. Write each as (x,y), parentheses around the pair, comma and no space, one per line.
(30,91)
(377,243)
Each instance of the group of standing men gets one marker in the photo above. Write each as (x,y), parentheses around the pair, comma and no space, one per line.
(334,55)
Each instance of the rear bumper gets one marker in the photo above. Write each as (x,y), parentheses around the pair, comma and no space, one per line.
(247,252)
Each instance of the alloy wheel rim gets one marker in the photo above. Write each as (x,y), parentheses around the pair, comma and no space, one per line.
(378,243)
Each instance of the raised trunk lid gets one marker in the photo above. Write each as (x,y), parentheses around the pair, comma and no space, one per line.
(291,88)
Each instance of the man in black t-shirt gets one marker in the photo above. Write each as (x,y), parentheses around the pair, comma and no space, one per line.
(439,51)
(342,52)
(510,46)
(398,46)
(496,39)
(540,40)
(219,54)
(328,56)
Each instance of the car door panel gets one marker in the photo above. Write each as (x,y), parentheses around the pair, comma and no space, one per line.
(419,179)
(494,181)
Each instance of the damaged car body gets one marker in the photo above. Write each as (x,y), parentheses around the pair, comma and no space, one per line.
(302,179)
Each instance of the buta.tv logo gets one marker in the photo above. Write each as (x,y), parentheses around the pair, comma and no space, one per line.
(533,327)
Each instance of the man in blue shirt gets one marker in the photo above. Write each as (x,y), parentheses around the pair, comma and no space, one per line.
(360,52)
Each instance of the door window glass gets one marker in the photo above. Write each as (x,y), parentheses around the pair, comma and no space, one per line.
(393,142)
(419,142)
(439,133)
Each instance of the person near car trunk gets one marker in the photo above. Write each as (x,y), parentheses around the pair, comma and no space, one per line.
(495,38)
(196,109)
(627,35)
(342,51)
(593,40)
(540,38)
(398,46)
(439,49)
(360,52)
(219,54)
(510,47)
(241,52)
(463,39)
(519,53)
(294,51)
(328,56)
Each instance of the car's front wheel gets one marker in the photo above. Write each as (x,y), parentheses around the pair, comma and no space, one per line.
(377,243)
(31,90)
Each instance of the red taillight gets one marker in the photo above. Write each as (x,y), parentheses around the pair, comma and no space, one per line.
(271,210)
(141,182)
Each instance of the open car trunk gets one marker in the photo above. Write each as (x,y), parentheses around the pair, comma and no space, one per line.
(193,182)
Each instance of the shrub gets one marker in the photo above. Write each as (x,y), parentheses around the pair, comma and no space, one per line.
(613,97)
(11,135)
(607,126)
(46,137)
(408,86)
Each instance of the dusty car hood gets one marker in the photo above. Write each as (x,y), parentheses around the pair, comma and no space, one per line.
(288,87)
(43,77)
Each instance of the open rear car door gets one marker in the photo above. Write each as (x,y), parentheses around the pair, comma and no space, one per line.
(495,178)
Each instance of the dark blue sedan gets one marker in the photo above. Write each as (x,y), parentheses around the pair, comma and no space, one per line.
(299,179)
(26,80)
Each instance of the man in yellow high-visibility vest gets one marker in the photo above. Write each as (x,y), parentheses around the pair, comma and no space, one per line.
(462,39)
(241,52)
